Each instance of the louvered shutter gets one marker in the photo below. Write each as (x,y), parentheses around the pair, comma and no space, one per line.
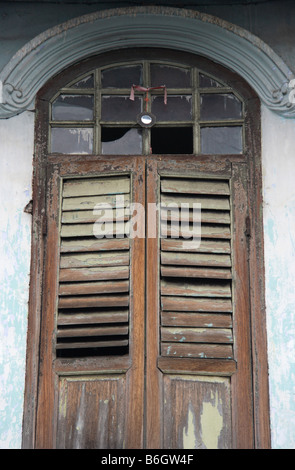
(93,303)
(195,275)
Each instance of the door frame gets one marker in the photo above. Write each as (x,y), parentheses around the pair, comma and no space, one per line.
(254,232)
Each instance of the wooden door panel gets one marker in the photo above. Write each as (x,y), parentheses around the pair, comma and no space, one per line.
(91,412)
(182,308)
(198,313)
(197,412)
(91,386)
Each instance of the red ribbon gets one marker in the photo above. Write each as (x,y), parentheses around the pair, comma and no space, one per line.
(140,88)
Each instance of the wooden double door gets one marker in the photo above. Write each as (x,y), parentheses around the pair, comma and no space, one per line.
(145,335)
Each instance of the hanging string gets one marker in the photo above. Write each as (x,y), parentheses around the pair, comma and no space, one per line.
(140,88)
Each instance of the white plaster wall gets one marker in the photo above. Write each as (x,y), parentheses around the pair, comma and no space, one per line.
(278,161)
(16,153)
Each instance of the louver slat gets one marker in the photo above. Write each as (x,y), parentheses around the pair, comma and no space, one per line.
(195,286)
(94,274)
(93,307)
(96,317)
(94,287)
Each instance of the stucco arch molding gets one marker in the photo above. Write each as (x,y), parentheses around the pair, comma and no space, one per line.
(186,30)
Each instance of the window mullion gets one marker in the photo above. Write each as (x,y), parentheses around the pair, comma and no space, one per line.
(146,134)
(97,113)
(196,112)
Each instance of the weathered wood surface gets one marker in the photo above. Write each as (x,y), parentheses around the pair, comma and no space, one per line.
(196,335)
(77,260)
(184,230)
(207,202)
(86,245)
(96,317)
(205,216)
(195,259)
(197,412)
(191,304)
(94,301)
(101,287)
(83,203)
(199,246)
(197,350)
(195,289)
(194,186)
(200,272)
(91,412)
(197,366)
(93,344)
(92,331)
(99,229)
(196,319)
(94,273)
(106,215)
(96,186)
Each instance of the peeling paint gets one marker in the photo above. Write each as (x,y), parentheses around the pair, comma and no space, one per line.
(15,240)
(190,431)
(79,427)
(279,229)
(211,423)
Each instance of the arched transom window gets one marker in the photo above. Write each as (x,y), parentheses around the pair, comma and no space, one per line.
(146,107)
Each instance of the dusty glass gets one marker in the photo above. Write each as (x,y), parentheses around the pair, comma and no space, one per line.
(178,108)
(73,108)
(86,82)
(221,140)
(71,140)
(214,107)
(120,108)
(121,77)
(171,77)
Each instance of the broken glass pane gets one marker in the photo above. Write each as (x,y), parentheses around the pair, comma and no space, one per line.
(87,82)
(73,108)
(178,108)
(174,140)
(220,106)
(71,140)
(120,108)
(208,82)
(122,77)
(121,141)
(172,77)
(221,140)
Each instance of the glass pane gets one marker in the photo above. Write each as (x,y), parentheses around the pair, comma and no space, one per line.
(73,108)
(221,140)
(178,108)
(172,77)
(121,141)
(166,140)
(71,140)
(220,106)
(120,108)
(122,77)
(87,82)
(208,82)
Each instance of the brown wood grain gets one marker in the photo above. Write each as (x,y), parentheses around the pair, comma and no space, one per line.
(196,319)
